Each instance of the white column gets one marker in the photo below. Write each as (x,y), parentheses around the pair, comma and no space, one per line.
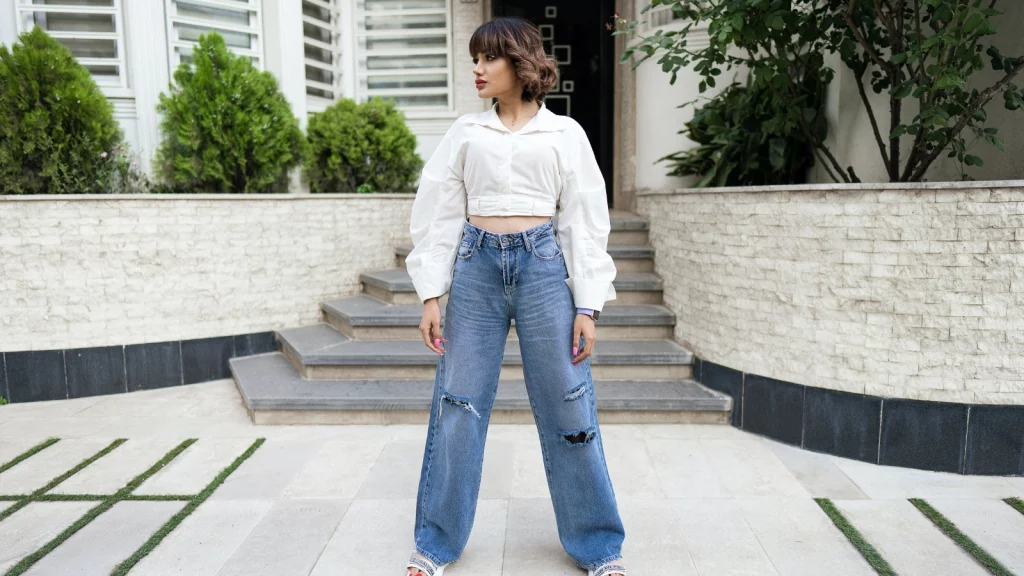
(347,42)
(284,54)
(8,26)
(284,51)
(148,73)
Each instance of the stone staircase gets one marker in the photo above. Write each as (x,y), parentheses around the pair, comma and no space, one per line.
(365,363)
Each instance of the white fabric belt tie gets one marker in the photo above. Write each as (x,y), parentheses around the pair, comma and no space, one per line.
(509,205)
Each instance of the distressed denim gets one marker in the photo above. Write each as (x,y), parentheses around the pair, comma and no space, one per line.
(498,278)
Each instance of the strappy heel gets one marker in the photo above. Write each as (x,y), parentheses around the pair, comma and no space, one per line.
(425,566)
(607,569)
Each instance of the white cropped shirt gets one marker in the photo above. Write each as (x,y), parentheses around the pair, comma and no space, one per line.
(546,168)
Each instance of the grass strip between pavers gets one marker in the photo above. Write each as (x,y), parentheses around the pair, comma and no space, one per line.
(949,529)
(109,501)
(29,498)
(28,453)
(154,540)
(869,552)
(1016,503)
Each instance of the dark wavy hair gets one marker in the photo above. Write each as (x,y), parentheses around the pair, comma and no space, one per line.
(519,40)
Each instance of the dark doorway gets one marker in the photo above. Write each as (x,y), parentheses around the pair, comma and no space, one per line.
(576,37)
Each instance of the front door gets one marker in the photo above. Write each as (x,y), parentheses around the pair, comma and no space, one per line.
(576,37)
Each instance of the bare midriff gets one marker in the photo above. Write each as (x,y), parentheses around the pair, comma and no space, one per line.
(507,224)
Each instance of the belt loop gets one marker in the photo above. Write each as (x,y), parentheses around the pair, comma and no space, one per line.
(527,242)
(479,238)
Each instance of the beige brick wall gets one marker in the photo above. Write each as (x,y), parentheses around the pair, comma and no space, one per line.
(98,270)
(912,292)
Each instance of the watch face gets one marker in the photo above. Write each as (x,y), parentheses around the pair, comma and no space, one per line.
(596,314)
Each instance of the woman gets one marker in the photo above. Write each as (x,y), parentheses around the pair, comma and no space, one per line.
(510,169)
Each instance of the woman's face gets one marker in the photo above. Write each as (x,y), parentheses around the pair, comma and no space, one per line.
(495,77)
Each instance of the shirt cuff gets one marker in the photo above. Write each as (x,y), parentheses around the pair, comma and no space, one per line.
(592,294)
(586,311)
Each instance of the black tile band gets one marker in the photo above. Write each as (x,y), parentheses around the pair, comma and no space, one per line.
(942,436)
(29,376)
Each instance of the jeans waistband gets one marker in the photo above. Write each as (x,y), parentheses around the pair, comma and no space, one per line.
(525,238)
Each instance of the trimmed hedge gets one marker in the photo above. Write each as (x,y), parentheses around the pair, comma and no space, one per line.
(58,134)
(226,126)
(361,148)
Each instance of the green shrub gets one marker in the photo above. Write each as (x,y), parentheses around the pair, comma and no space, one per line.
(361,148)
(57,130)
(226,126)
(741,141)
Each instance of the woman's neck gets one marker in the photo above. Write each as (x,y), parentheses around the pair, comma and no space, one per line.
(513,109)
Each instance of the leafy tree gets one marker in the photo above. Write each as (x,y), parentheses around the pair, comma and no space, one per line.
(927,50)
(227,128)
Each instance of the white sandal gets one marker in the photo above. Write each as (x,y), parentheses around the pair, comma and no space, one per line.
(607,569)
(424,565)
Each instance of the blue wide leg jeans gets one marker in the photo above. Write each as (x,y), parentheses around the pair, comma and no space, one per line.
(498,278)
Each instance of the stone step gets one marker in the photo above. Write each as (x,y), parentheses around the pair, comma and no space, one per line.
(274,393)
(320,352)
(623,220)
(629,259)
(394,286)
(367,318)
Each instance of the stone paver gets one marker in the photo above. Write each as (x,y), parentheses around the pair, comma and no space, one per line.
(992,524)
(695,499)
(801,539)
(45,466)
(111,472)
(747,467)
(323,478)
(265,474)
(718,538)
(818,473)
(288,540)
(654,538)
(531,541)
(683,469)
(906,538)
(28,529)
(14,447)
(894,482)
(105,542)
(194,468)
(375,539)
(205,540)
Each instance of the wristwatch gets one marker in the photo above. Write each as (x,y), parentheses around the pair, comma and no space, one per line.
(592,313)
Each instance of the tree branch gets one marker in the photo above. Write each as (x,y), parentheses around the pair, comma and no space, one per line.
(871,116)
(868,48)
(979,102)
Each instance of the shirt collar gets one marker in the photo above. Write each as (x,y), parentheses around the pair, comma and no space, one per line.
(544,121)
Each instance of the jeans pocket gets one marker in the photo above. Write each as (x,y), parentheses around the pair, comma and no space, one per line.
(547,248)
(466,248)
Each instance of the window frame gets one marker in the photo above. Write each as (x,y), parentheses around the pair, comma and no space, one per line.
(254,29)
(361,56)
(119,89)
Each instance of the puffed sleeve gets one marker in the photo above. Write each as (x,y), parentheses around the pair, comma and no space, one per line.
(437,221)
(583,225)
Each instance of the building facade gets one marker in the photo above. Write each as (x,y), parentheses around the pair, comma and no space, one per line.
(415,51)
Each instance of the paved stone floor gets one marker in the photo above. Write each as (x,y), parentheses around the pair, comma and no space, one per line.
(331,500)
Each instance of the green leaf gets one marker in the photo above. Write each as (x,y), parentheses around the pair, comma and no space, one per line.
(973,22)
(947,81)
(903,91)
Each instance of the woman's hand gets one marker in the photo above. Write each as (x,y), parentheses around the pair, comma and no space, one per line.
(584,325)
(430,325)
